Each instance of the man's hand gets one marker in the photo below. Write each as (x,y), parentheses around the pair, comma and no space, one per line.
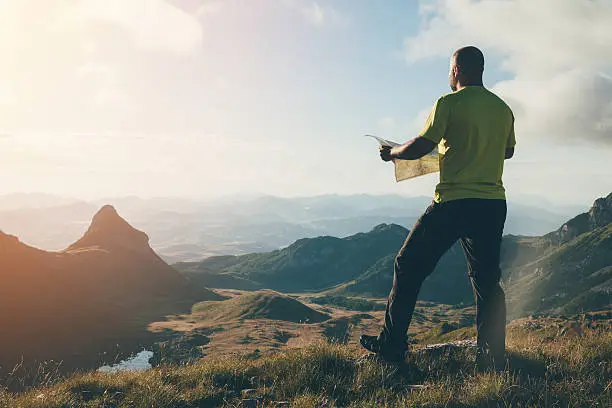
(385,153)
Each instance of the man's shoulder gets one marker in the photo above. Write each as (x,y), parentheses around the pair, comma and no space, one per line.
(445,100)
(496,97)
(491,98)
(451,97)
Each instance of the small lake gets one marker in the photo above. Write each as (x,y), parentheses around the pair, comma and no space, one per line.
(138,362)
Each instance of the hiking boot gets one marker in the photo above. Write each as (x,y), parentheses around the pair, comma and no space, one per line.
(373,344)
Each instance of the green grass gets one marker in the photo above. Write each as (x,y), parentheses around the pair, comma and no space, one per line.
(263,304)
(546,370)
(445,332)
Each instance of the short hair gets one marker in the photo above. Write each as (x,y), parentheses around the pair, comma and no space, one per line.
(470,62)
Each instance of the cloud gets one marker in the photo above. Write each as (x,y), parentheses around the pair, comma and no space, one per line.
(153,24)
(99,65)
(557,52)
(317,13)
(387,123)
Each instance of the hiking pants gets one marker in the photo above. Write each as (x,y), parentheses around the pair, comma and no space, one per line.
(478,224)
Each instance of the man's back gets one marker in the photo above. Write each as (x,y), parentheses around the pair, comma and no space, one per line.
(473,128)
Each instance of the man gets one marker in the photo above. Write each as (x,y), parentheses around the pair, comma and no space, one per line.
(474,131)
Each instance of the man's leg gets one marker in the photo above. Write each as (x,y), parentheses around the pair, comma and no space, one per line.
(432,235)
(482,249)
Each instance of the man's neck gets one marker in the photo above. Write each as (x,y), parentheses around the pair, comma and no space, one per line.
(461,86)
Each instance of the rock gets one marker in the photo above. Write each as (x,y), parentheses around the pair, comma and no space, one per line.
(436,351)
(460,344)
(600,213)
(531,324)
(249,393)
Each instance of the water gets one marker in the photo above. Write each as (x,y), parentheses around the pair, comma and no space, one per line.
(139,362)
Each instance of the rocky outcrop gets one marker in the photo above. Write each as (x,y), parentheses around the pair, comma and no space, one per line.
(599,215)
(109,231)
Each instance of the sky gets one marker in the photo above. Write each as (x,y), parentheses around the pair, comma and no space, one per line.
(200,98)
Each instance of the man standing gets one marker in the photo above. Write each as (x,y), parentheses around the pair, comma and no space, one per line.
(474,131)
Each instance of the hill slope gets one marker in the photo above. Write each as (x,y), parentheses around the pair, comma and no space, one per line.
(575,276)
(447,284)
(564,270)
(259,305)
(321,263)
(75,304)
(546,370)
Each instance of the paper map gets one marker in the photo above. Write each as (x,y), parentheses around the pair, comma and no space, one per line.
(407,169)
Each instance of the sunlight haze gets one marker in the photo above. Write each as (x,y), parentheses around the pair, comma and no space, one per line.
(204,98)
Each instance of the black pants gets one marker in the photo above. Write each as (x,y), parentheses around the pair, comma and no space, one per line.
(478,224)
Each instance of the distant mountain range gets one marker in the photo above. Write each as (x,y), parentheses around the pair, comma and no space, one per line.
(569,269)
(76,304)
(189,230)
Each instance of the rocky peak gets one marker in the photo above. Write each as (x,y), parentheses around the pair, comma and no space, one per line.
(600,213)
(108,230)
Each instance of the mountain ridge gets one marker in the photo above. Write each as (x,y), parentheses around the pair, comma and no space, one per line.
(581,247)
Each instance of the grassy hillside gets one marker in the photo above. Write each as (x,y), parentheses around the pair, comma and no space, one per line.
(574,276)
(547,368)
(309,264)
(567,270)
(321,263)
(447,284)
(259,305)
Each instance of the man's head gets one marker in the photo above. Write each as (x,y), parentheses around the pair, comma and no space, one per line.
(466,67)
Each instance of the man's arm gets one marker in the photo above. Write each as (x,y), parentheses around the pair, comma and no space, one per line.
(412,150)
(509,153)
(430,136)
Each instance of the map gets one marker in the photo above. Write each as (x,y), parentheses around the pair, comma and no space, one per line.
(408,169)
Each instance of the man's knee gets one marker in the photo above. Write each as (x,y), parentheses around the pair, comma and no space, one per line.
(412,266)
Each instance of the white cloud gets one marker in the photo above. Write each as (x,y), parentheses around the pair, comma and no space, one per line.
(317,13)
(387,123)
(89,65)
(153,24)
(556,50)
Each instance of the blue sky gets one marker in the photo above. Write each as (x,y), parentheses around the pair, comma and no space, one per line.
(205,98)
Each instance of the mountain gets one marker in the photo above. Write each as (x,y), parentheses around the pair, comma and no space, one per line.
(76,304)
(359,264)
(566,270)
(307,264)
(190,230)
(447,284)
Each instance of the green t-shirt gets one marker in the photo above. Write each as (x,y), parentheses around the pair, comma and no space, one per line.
(473,127)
